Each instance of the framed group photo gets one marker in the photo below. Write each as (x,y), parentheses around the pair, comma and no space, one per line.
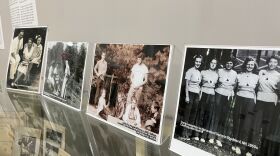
(26,58)
(128,87)
(228,101)
(64,74)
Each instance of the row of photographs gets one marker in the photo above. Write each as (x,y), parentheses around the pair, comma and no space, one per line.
(227,97)
(28,140)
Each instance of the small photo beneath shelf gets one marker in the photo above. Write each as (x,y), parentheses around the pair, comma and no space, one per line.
(26,57)
(128,87)
(64,75)
(54,138)
(27,141)
(227,102)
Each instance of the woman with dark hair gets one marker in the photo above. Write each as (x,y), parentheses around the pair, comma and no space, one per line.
(193,79)
(23,66)
(209,80)
(266,101)
(223,97)
(36,56)
(243,112)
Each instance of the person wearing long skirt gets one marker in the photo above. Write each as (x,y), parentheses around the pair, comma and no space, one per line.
(209,80)
(266,101)
(243,112)
(223,98)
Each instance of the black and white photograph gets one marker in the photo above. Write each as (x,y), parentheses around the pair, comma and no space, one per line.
(64,74)
(27,146)
(28,142)
(128,87)
(26,57)
(53,138)
(228,101)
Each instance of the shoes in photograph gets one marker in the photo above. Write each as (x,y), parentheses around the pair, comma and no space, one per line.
(196,138)
(202,140)
(237,151)
(249,154)
(184,138)
(211,141)
(218,142)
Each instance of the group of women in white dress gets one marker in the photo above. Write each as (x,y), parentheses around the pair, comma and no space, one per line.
(216,96)
(32,54)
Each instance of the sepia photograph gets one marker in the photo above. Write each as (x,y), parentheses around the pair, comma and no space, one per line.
(53,138)
(64,74)
(128,86)
(26,57)
(228,101)
(27,142)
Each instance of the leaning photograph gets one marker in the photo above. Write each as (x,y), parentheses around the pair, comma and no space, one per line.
(229,100)
(128,86)
(64,74)
(26,57)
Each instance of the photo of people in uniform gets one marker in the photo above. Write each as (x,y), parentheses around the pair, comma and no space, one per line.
(64,74)
(128,85)
(228,102)
(26,57)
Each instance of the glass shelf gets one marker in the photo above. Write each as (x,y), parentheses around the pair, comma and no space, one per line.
(84,135)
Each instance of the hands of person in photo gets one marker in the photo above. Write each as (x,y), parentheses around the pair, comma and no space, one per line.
(137,86)
(25,63)
(99,75)
(200,95)
(187,100)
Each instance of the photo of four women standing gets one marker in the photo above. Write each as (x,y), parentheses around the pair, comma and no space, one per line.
(232,92)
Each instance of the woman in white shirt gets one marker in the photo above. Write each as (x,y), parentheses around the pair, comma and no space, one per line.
(23,66)
(243,112)
(266,100)
(193,79)
(209,80)
(65,79)
(50,78)
(223,98)
(36,55)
